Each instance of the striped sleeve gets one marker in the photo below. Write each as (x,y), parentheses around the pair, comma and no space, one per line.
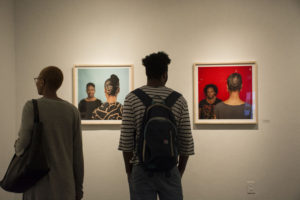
(184,137)
(128,126)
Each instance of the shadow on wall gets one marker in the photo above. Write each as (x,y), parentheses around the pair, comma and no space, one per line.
(225,127)
(101,127)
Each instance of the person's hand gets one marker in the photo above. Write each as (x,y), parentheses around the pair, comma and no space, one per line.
(180,172)
(128,176)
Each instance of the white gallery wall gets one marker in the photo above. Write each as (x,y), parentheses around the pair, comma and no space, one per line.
(68,32)
(7,87)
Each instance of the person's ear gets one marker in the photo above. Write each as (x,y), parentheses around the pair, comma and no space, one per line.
(42,82)
(165,77)
(105,93)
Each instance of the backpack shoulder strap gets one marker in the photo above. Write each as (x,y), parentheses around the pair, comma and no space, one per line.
(143,97)
(36,111)
(172,98)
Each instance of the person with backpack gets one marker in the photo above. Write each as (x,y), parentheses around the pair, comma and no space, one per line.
(156,137)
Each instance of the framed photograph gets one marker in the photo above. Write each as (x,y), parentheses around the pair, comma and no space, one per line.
(225,93)
(99,92)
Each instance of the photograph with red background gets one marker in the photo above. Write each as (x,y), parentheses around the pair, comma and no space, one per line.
(218,75)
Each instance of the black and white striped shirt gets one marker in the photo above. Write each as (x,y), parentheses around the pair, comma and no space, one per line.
(133,112)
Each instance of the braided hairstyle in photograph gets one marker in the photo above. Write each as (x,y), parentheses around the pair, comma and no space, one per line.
(112,85)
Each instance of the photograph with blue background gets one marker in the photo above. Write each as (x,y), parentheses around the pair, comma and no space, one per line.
(98,76)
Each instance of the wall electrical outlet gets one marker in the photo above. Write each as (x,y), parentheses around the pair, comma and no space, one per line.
(251,187)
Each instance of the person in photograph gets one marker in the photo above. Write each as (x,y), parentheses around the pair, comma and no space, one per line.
(62,140)
(111,109)
(147,185)
(233,107)
(87,105)
(207,105)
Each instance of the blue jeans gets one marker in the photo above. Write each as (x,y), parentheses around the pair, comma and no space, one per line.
(146,186)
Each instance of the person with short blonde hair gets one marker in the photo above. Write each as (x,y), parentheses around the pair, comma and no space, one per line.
(233,107)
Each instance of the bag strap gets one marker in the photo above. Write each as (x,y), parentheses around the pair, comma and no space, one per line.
(172,98)
(147,101)
(36,111)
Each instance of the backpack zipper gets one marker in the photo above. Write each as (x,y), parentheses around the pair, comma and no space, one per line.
(172,150)
(144,149)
